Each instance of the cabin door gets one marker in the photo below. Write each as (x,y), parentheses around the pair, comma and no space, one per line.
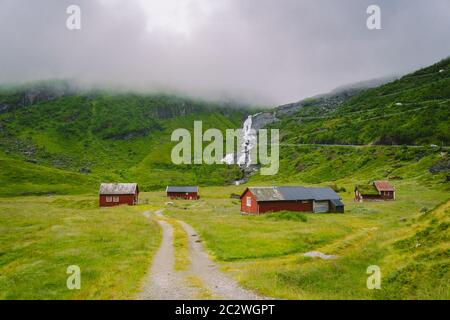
(321,206)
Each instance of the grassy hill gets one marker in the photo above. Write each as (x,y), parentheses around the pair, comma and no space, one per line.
(366,134)
(424,251)
(75,138)
(317,164)
(94,136)
(412,110)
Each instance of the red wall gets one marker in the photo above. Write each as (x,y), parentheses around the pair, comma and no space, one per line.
(388,195)
(274,206)
(129,199)
(383,195)
(183,195)
(285,205)
(253,208)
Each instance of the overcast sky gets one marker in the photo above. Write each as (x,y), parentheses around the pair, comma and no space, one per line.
(258,51)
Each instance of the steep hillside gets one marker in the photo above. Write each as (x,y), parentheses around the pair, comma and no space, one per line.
(420,254)
(101,136)
(343,164)
(412,110)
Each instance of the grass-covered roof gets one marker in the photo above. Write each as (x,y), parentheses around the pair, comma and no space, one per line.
(367,189)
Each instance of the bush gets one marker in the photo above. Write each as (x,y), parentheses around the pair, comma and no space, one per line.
(337,189)
(287,215)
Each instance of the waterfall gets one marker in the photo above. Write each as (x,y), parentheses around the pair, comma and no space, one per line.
(249,141)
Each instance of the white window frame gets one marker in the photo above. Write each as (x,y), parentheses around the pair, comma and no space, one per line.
(248,202)
(108,198)
(116,199)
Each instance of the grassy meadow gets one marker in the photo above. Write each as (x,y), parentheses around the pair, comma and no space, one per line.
(265,253)
(41,236)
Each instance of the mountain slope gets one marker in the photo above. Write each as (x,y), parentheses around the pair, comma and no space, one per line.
(412,110)
(106,136)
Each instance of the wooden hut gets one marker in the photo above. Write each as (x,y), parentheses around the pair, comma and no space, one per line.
(378,190)
(182,192)
(114,194)
(257,200)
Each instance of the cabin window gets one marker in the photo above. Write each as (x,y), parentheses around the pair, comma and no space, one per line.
(305,201)
(249,201)
(116,199)
(108,199)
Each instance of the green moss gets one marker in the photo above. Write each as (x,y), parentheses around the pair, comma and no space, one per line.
(367,189)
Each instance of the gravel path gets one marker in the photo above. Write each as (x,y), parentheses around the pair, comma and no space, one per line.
(220,285)
(164,283)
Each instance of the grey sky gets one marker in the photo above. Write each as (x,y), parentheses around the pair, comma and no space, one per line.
(259,51)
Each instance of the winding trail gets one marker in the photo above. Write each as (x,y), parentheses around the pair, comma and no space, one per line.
(164,283)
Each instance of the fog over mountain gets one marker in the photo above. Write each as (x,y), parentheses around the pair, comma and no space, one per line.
(259,51)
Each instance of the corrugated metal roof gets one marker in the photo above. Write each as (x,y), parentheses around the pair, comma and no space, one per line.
(182,189)
(293,193)
(266,194)
(118,188)
(337,203)
(324,194)
(383,186)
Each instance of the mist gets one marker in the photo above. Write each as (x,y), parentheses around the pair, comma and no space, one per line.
(255,51)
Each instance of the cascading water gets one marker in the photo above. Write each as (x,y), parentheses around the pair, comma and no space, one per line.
(249,140)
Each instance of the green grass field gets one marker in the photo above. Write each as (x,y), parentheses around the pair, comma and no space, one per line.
(41,236)
(266,254)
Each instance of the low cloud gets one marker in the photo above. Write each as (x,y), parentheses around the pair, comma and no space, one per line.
(256,51)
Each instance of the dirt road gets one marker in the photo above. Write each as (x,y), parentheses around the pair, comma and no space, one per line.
(164,282)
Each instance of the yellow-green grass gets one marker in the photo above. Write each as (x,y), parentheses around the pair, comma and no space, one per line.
(267,254)
(203,293)
(181,246)
(180,237)
(41,236)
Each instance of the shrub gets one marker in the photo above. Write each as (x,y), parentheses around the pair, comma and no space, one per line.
(287,215)
(337,189)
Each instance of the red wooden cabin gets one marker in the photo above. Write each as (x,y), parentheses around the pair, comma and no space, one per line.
(182,192)
(114,194)
(378,190)
(257,200)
